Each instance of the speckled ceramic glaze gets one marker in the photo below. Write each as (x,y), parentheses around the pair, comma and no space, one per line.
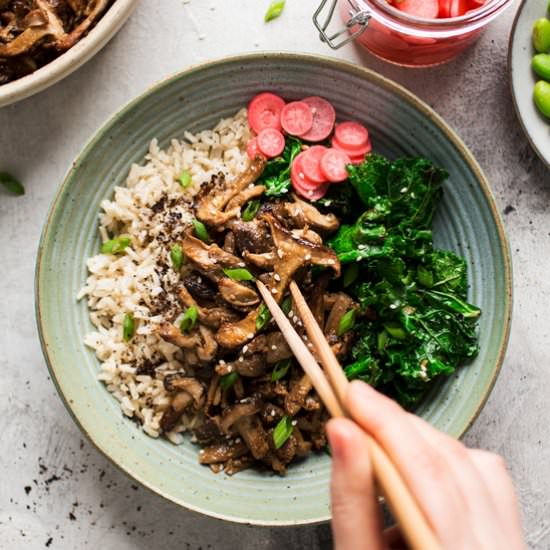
(523,79)
(400,124)
(72,59)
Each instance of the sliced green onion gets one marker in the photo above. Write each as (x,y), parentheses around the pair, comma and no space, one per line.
(185,179)
(280,369)
(189,319)
(283,430)
(251,210)
(396,331)
(346,322)
(116,246)
(239,274)
(275,9)
(128,327)
(381,341)
(263,317)
(11,184)
(228,380)
(176,255)
(201,232)
(286,304)
(350,275)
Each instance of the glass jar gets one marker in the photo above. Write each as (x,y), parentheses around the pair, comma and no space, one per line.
(400,38)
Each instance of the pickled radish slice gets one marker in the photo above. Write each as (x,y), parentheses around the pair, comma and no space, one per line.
(458,8)
(298,176)
(324,117)
(351,135)
(357,160)
(252,148)
(311,160)
(333,165)
(313,194)
(271,142)
(264,111)
(445,8)
(427,9)
(362,151)
(296,118)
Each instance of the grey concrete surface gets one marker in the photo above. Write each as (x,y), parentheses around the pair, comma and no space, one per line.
(56,491)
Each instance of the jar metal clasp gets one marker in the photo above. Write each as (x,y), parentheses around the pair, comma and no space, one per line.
(357,17)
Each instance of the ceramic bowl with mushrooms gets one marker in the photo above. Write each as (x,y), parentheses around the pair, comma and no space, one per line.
(43,41)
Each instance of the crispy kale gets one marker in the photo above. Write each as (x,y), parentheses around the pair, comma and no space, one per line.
(276,175)
(419,325)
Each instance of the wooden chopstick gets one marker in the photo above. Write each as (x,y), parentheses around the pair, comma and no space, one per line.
(414,525)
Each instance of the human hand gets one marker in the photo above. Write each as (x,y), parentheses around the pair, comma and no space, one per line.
(466,494)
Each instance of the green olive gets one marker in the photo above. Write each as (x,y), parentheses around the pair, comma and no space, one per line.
(541,35)
(541,65)
(542,97)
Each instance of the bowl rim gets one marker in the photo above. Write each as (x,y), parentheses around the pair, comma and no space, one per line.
(69,61)
(511,40)
(362,72)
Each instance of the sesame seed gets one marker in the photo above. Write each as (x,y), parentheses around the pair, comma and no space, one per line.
(331,262)
(294,422)
(280,253)
(242,264)
(251,335)
(245,349)
(238,440)
(276,276)
(290,314)
(222,362)
(404,189)
(310,193)
(241,359)
(273,291)
(201,451)
(309,345)
(273,413)
(273,347)
(308,256)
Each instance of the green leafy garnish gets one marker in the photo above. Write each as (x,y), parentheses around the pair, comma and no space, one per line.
(189,319)
(350,275)
(346,322)
(228,380)
(416,323)
(116,246)
(275,9)
(239,274)
(185,179)
(251,209)
(11,184)
(286,304)
(128,327)
(263,317)
(283,430)
(176,255)
(280,369)
(276,174)
(201,232)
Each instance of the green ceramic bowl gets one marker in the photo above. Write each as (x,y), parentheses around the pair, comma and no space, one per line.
(400,124)
(523,79)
